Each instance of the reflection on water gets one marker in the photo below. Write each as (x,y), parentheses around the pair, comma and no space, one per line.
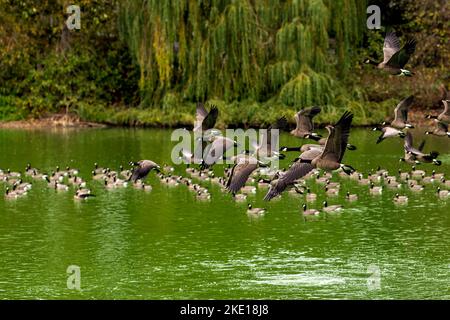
(165,244)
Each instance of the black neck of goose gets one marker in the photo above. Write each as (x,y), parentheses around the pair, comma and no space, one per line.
(314,137)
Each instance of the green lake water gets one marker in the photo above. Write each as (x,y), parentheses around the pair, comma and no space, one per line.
(164,244)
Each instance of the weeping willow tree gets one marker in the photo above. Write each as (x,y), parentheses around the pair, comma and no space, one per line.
(233,50)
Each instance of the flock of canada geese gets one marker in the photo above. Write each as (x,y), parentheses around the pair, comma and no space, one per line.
(251,171)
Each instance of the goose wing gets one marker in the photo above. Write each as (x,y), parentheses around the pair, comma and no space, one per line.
(409,146)
(200,115)
(240,173)
(442,127)
(296,171)
(338,138)
(446,111)
(201,112)
(215,150)
(266,140)
(391,46)
(210,120)
(408,141)
(139,173)
(401,57)
(401,111)
(421,146)
(310,154)
(304,117)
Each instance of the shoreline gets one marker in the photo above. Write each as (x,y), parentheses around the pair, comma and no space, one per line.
(64,121)
(56,121)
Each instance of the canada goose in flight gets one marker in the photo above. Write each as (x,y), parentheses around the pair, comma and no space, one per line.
(309,146)
(327,159)
(413,155)
(205,120)
(263,151)
(388,132)
(305,127)
(204,126)
(395,58)
(296,171)
(441,130)
(444,116)
(401,114)
(243,168)
(331,156)
(142,169)
(216,150)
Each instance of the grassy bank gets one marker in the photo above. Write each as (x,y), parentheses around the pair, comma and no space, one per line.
(239,114)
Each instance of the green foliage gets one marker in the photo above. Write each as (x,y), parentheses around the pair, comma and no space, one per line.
(147,62)
(236,50)
(51,69)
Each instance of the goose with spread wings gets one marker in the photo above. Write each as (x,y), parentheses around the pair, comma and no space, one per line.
(288,179)
(395,58)
(241,171)
(441,130)
(205,120)
(305,126)
(329,158)
(142,169)
(264,150)
(401,114)
(204,125)
(334,150)
(444,116)
(216,150)
(416,156)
